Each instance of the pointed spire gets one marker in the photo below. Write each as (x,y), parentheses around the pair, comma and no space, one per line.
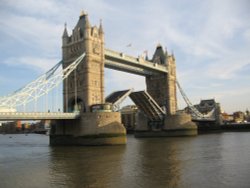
(100,27)
(158,45)
(146,58)
(82,13)
(87,24)
(166,51)
(83,19)
(65,32)
(173,55)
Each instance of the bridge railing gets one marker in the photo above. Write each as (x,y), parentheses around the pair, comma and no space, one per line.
(37,115)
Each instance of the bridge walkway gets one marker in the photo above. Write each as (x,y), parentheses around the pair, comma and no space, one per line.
(8,116)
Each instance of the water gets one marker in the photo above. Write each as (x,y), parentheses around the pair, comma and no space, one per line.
(212,160)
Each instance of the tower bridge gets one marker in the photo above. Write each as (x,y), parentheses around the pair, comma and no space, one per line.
(88,118)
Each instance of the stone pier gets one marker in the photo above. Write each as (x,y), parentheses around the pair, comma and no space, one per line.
(173,125)
(94,128)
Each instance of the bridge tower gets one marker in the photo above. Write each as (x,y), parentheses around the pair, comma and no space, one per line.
(162,87)
(85,86)
(83,91)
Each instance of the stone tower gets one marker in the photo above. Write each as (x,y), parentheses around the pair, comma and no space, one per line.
(85,86)
(162,87)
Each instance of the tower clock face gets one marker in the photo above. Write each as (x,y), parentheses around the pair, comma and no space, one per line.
(96,48)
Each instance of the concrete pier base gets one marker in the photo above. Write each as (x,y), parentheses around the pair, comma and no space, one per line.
(96,128)
(174,125)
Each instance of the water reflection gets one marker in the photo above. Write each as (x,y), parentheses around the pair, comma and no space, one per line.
(153,164)
(142,163)
(216,160)
(86,166)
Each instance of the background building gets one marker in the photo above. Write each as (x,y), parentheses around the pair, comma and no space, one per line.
(128,117)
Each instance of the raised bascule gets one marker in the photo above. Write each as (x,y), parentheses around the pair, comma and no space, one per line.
(88,118)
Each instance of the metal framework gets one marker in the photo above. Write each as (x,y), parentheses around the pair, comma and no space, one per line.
(148,105)
(116,98)
(40,86)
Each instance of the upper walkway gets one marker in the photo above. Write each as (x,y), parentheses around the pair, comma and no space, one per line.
(120,61)
(8,116)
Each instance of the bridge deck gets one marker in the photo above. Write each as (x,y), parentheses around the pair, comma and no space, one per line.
(117,96)
(7,116)
(148,105)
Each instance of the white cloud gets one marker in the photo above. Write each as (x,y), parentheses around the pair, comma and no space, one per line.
(247,35)
(33,32)
(117,80)
(41,65)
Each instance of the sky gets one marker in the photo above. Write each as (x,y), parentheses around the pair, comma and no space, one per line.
(210,40)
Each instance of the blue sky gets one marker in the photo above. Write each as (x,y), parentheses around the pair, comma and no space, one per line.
(210,40)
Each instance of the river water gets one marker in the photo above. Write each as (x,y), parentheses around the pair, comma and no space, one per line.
(209,160)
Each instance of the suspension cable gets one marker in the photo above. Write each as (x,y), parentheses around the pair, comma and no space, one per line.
(66,95)
(188,102)
(41,86)
(75,106)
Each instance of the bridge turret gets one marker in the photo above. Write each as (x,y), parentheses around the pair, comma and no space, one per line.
(166,96)
(159,56)
(101,32)
(65,37)
(85,87)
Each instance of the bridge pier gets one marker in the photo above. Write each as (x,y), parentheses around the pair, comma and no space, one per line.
(94,128)
(173,125)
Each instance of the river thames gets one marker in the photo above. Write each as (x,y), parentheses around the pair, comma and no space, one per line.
(208,160)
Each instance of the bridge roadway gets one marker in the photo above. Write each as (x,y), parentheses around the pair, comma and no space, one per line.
(8,116)
(120,61)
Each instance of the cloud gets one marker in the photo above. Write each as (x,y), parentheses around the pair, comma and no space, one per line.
(117,80)
(41,65)
(33,32)
(247,35)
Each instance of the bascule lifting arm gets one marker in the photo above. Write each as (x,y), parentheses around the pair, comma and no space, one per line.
(40,86)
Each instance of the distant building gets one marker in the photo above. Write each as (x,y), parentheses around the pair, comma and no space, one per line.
(8,127)
(247,116)
(128,114)
(207,106)
(238,117)
(227,117)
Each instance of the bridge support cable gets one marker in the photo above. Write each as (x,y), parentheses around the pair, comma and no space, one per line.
(194,111)
(39,87)
(67,95)
(75,106)
(196,115)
